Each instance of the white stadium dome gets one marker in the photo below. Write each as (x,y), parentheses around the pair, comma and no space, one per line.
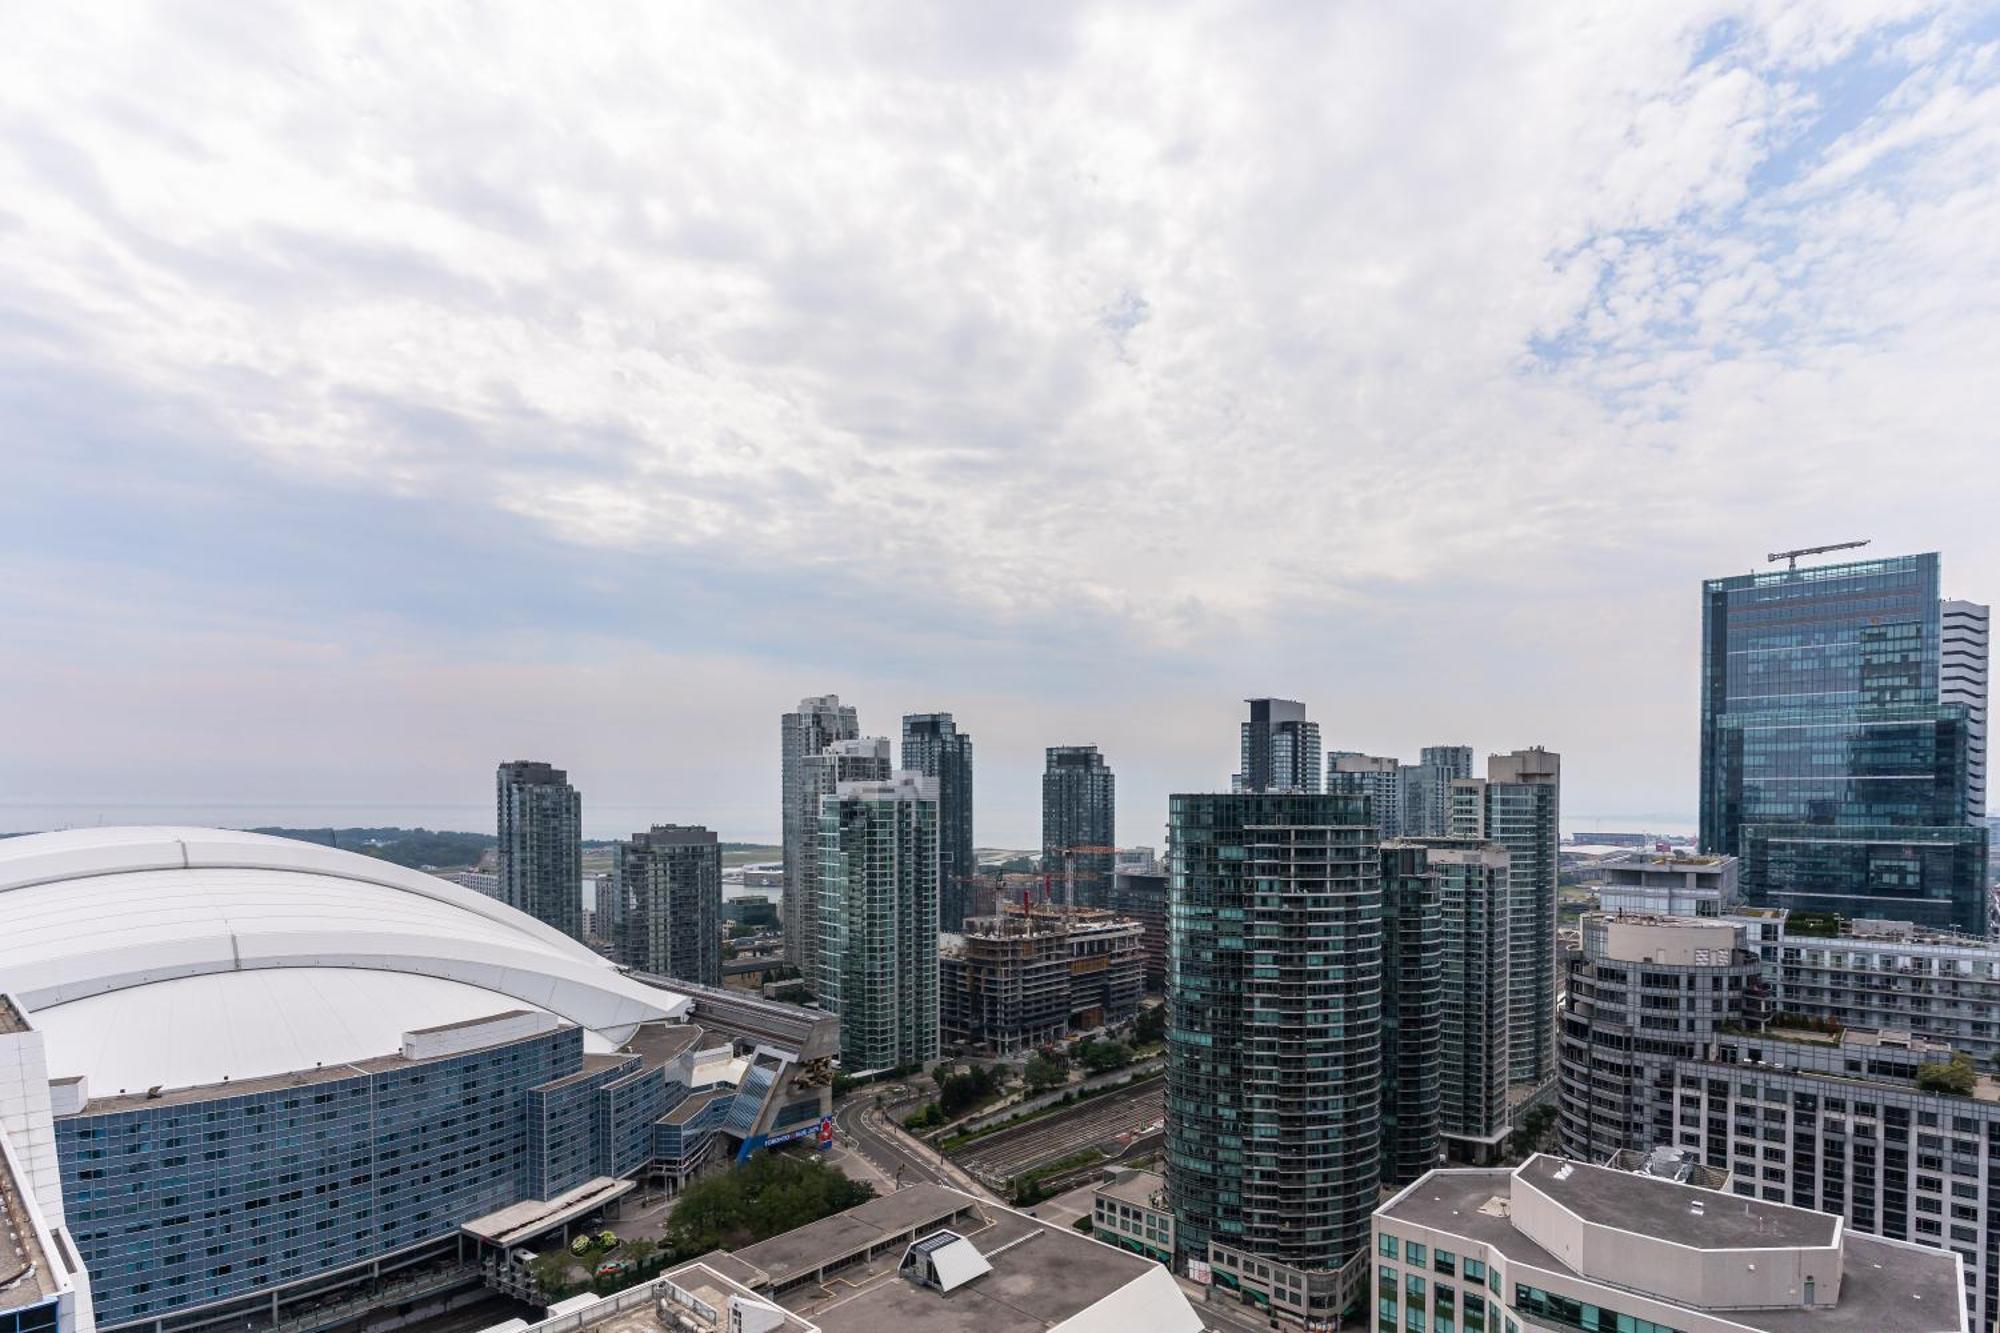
(179,957)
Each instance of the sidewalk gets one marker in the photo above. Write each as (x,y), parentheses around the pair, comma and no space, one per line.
(931,1157)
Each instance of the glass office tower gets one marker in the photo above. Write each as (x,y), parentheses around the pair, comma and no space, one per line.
(1829,763)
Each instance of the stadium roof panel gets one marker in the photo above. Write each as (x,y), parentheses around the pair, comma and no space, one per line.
(172,956)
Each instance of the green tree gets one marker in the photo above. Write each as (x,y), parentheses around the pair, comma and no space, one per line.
(1956,1076)
(1101,1057)
(551,1273)
(961,1092)
(772,1193)
(1152,1025)
(1046,1070)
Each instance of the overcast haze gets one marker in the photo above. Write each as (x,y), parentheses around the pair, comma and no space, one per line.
(385,393)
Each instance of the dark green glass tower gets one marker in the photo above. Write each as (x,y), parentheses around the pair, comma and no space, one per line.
(1829,763)
(1274,1067)
(1413,953)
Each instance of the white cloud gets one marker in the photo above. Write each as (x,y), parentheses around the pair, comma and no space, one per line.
(1197,328)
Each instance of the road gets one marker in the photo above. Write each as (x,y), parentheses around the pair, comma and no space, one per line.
(874,1149)
(1109,1122)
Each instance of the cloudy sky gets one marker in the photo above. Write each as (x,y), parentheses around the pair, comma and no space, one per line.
(389,391)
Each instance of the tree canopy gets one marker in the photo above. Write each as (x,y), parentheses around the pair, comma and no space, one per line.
(769,1194)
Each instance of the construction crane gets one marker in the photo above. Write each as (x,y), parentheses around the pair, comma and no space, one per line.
(1793,556)
(1069,855)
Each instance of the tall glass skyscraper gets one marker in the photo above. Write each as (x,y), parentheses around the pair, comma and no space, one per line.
(668,887)
(855,759)
(878,919)
(1280,748)
(1275,986)
(1830,762)
(1413,951)
(821,720)
(1518,807)
(1080,819)
(934,746)
(539,818)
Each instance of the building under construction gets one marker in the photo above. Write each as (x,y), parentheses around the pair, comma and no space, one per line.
(1028,975)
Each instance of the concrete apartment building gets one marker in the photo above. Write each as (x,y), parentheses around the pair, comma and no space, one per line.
(1838,1122)
(1647,991)
(1555,1244)
(1280,748)
(1518,804)
(1670,884)
(1473,1051)
(1025,978)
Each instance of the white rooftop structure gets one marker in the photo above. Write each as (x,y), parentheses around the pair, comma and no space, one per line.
(174,957)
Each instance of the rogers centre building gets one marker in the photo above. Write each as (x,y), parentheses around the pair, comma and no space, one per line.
(260,1082)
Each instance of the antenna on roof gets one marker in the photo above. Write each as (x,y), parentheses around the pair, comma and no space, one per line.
(1793,556)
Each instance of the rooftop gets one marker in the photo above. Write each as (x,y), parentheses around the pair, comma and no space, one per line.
(685,1109)
(520,1222)
(25,1275)
(1665,1209)
(1042,1275)
(1887,1286)
(1136,1187)
(659,1043)
(593,1065)
(833,1240)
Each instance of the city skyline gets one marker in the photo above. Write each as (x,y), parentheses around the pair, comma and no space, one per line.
(300,385)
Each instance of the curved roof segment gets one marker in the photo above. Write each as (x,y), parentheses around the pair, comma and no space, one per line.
(133,949)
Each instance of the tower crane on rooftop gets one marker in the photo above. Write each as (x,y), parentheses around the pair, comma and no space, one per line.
(1793,556)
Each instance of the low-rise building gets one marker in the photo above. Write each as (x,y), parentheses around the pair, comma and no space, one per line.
(925,1257)
(1556,1244)
(1130,1210)
(1669,884)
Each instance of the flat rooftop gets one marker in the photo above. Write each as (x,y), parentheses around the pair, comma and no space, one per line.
(660,1043)
(25,1275)
(520,1222)
(1650,1206)
(686,1107)
(1042,1275)
(297,1078)
(1134,1187)
(837,1239)
(1886,1286)
(500,1017)
(593,1065)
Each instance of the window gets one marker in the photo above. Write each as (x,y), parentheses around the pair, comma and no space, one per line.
(1568,1312)
(1444,1261)
(1475,1270)
(1413,1286)
(1413,1254)
(1385,1245)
